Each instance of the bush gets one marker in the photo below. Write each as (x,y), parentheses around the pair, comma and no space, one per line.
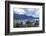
(29,24)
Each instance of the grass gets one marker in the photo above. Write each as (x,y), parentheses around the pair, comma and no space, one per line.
(28,24)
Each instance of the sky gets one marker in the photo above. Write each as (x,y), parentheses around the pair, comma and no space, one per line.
(27,11)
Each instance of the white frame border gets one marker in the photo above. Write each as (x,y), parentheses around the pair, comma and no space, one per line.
(24,29)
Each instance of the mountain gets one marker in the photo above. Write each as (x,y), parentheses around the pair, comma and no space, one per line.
(17,16)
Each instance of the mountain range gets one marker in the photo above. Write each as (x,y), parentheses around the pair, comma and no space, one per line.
(17,16)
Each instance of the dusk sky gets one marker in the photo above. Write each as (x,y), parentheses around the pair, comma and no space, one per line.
(27,11)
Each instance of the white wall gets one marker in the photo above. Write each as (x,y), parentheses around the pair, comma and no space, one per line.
(2,18)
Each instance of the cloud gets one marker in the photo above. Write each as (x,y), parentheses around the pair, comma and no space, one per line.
(27,11)
(32,12)
(19,11)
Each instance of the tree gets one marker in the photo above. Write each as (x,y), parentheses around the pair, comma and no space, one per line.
(37,23)
(29,24)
